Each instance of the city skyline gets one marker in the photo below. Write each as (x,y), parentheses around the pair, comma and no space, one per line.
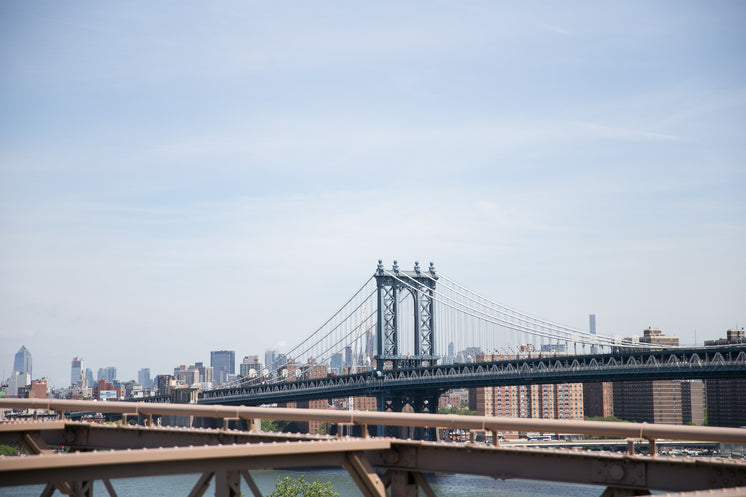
(181,178)
(219,359)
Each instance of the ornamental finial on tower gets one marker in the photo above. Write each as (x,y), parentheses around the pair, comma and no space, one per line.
(432,269)
(396,267)
(416,267)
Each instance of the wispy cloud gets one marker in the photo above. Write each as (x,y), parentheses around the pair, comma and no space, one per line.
(555,29)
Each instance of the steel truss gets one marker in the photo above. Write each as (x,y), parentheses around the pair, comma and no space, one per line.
(228,456)
(421,286)
(623,365)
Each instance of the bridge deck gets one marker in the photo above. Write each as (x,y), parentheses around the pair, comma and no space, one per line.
(628,365)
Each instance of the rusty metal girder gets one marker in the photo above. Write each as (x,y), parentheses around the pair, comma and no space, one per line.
(403,460)
(364,476)
(82,435)
(572,466)
(25,470)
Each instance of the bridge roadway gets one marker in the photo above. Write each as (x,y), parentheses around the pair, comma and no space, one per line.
(625,365)
(228,456)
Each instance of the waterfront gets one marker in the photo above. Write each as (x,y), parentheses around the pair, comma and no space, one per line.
(443,485)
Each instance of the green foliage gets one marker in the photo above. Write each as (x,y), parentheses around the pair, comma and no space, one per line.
(599,418)
(607,418)
(7,450)
(288,487)
(278,425)
(456,410)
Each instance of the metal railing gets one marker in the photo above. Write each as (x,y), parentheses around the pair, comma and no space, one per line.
(648,431)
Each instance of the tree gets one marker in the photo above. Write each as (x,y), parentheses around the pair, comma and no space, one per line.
(288,487)
(456,410)
(7,450)
(279,425)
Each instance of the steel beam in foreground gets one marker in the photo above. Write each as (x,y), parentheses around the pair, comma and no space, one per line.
(403,460)
(82,467)
(617,470)
(77,435)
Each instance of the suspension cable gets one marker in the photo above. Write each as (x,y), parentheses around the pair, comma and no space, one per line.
(546,331)
(601,340)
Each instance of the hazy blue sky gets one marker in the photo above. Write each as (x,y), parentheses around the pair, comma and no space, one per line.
(180,177)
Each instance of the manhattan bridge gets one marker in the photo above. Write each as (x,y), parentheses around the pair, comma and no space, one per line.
(405,337)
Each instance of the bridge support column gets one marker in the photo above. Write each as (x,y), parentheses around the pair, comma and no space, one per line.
(251,483)
(407,483)
(364,476)
(227,484)
(200,487)
(401,483)
(82,488)
(420,402)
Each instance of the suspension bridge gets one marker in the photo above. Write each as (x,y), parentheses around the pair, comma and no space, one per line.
(405,337)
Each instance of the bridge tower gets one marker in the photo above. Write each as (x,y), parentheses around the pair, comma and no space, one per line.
(421,285)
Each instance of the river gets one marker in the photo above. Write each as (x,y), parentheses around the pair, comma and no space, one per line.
(443,485)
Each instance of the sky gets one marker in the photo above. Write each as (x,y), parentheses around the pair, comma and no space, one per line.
(181,177)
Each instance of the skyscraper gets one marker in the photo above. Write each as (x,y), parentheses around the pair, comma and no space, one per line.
(22,362)
(143,378)
(336,363)
(592,326)
(270,358)
(348,357)
(250,363)
(370,344)
(223,363)
(76,371)
(109,374)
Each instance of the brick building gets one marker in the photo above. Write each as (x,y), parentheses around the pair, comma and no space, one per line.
(726,399)
(693,402)
(598,399)
(38,389)
(659,401)
(656,401)
(560,401)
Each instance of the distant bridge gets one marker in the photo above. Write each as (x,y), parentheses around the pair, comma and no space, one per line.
(427,313)
(411,384)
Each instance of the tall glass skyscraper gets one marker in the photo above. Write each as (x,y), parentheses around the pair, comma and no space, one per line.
(223,363)
(109,374)
(22,362)
(89,376)
(270,356)
(143,377)
(76,371)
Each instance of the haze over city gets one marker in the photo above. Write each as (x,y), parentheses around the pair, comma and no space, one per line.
(185,177)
